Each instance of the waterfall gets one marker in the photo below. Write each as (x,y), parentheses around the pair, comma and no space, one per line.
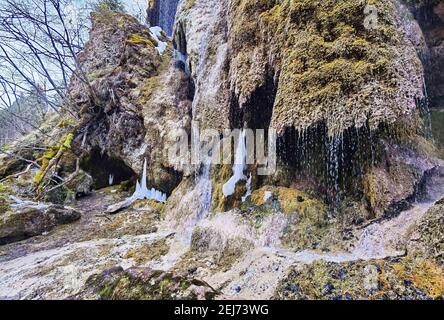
(204,187)
(183,58)
(424,108)
(163,15)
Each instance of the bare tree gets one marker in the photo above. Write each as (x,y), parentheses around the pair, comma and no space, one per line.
(39,43)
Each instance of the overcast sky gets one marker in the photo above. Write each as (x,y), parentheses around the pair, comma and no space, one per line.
(136,8)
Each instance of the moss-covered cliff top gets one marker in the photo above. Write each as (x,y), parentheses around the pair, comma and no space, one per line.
(327,65)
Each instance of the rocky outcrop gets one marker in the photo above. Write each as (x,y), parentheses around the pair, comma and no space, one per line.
(292,50)
(144,284)
(427,239)
(29,221)
(141,96)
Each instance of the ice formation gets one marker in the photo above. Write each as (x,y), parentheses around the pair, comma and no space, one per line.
(240,162)
(142,192)
(156,32)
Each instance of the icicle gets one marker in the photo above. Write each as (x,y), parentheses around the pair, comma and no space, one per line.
(143,181)
(240,160)
(138,192)
(142,191)
(111,179)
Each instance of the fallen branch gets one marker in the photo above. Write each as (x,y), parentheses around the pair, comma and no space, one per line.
(17,174)
(20,158)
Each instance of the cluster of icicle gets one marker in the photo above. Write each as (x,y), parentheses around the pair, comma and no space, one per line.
(240,164)
(143,193)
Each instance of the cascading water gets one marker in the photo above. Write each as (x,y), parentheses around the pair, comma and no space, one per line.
(334,147)
(183,58)
(424,109)
(163,15)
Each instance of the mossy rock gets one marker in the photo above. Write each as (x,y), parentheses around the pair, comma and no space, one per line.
(148,252)
(30,222)
(220,174)
(329,66)
(290,200)
(4,205)
(145,284)
(376,279)
(155,205)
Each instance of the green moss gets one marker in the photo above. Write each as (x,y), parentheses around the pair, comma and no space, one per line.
(107,291)
(151,84)
(4,205)
(5,189)
(44,162)
(142,284)
(66,123)
(220,175)
(290,200)
(137,39)
(148,252)
(6,147)
(56,151)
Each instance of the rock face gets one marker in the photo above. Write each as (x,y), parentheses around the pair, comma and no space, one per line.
(32,221)
(291,53)
(342,96)
(430,17)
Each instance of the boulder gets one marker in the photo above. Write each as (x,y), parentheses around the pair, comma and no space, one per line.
(30,221)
